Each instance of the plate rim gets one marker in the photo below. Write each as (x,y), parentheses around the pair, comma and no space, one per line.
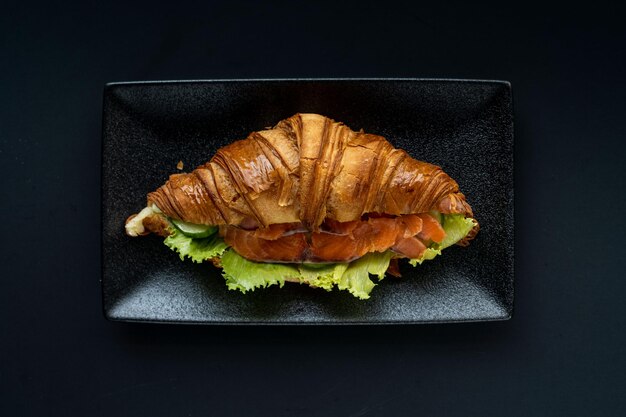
(113,84)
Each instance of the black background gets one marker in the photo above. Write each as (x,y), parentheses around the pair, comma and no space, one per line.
(562,353)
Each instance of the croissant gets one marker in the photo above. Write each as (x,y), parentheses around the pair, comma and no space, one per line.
(312,190)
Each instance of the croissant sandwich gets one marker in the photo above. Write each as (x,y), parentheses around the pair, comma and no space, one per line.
(308,201)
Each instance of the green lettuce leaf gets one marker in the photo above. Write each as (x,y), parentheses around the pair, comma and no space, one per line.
(324,276)
(456,227)
(197,249)
(356,277)
(244,275)
(429,254)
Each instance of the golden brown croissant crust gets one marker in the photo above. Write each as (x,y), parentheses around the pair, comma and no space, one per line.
(306,169)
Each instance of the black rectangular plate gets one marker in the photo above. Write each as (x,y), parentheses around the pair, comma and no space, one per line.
(464,126)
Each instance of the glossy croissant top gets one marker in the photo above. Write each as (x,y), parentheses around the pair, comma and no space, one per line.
(307,169)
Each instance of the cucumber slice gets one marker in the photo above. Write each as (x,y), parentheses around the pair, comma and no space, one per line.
(194,230)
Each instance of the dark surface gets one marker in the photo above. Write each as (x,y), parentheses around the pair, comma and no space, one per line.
(465,127)
(563,351)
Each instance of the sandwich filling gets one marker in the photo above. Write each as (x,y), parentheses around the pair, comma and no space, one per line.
(408,236)
(340,254)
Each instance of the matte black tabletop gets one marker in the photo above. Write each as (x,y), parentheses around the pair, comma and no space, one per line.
(562,353)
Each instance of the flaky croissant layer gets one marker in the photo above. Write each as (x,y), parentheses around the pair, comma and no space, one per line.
(307,169)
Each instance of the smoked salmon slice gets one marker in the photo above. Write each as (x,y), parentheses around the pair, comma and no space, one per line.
(411,247)
(412,224)
(326,247)
(406,235)
(340,228)
(275,231)
(431,229)
(289,248)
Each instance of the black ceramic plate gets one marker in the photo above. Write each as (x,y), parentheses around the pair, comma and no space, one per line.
(466,127)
